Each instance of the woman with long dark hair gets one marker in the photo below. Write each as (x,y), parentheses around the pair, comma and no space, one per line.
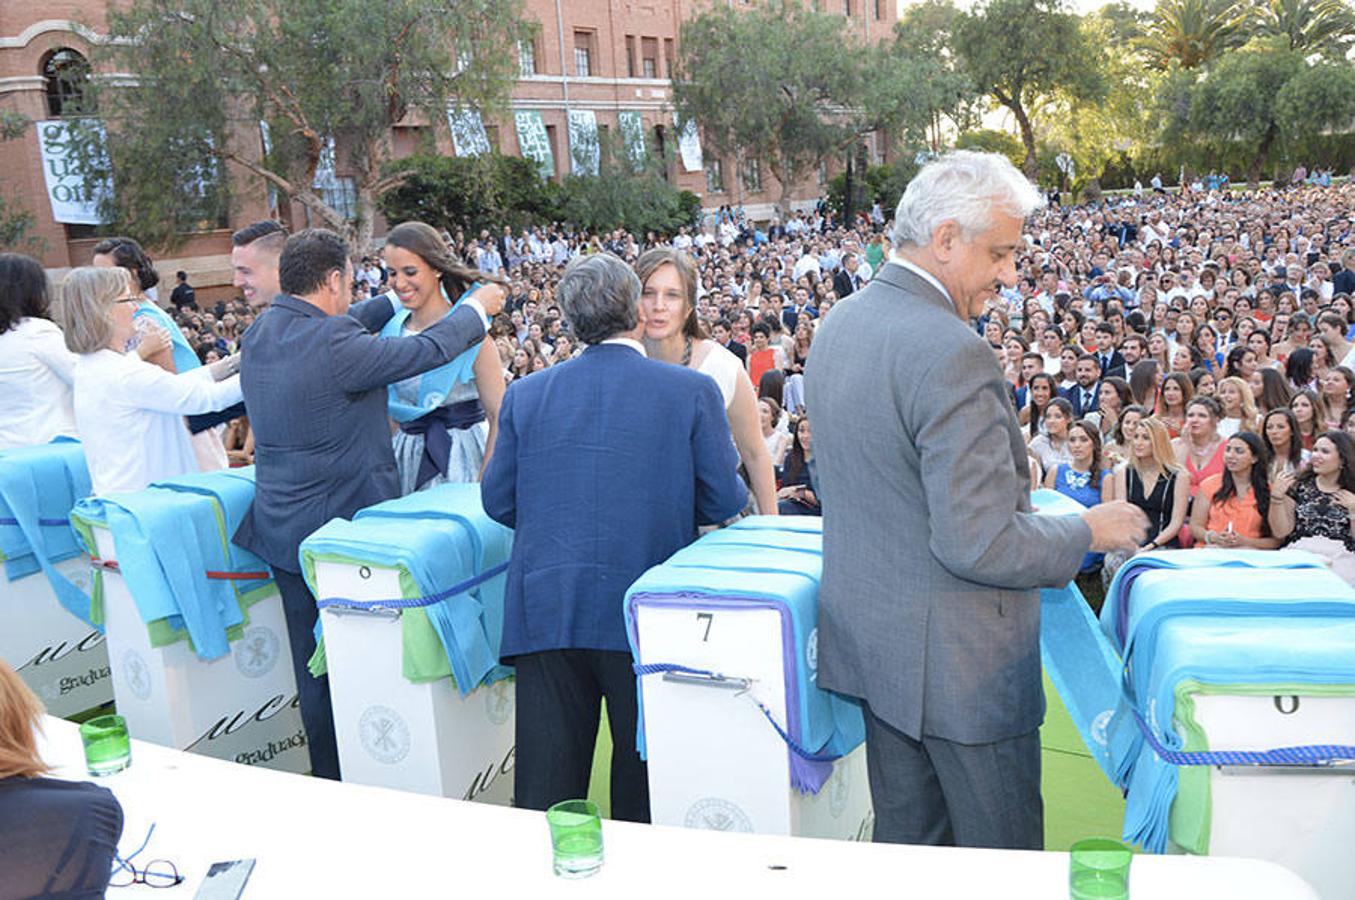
(1280,433)
(1298,368)
(1231,508)
(1310,411)
(798,494)
(1177,391)
(1338,387)
(448,417)
(36,369)
(1275,391)
(1315,510)
(1050,446)
(1041,390)
(1082,477)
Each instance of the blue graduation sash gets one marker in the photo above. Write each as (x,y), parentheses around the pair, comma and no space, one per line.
(185,359)
(434,386)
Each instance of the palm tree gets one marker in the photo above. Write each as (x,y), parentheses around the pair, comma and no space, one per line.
(1305,25)
(1190,33)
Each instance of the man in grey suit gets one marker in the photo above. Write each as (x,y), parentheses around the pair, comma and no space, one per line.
(316,394)
(928,608)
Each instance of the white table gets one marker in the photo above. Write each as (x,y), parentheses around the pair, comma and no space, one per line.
(320,839)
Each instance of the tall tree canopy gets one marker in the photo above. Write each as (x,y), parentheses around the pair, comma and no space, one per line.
(1022,52)
(1190,33)
(328,77)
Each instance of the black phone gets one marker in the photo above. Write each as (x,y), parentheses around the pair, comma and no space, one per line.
(225,880)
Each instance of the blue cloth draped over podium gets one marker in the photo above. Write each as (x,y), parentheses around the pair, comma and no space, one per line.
(456,556)
(759,563)
(174,551)
(38,487)
(1175,622)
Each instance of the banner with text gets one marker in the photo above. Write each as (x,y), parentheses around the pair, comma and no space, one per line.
(633,134)
(73,203)
(689,144)
(468,132)
(533,141)
(584,153)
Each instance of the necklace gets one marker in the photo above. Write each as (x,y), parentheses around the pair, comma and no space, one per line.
(687,353)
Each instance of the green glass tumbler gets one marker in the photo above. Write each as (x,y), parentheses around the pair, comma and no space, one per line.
(107,747)
(1099,870)
(575,837)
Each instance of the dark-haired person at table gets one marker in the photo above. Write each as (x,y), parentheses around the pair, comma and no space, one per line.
(1231,508)
(639,453)
(1315,510)
(57,838)
(36,369)
(314,378)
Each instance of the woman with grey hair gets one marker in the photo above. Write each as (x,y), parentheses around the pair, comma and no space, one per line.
(129,412)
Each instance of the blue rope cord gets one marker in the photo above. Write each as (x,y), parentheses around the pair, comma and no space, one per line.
(1310,755)
(45,523)
(416,602)
(808,755)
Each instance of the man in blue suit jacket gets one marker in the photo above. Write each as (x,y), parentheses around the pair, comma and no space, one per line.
(605,466)
(316,392)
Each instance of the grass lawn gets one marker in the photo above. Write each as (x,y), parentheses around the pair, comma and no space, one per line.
(1078,800)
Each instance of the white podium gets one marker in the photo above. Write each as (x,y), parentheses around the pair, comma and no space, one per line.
(732,620)
(241,707)
(1301,818)
(60,657)
(421,737)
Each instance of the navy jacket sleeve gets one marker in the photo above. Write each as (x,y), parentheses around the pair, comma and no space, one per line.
(720,492)
(498,487)
(364,362)
(374,313)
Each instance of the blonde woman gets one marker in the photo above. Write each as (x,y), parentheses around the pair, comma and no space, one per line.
(1152,481)
(1238,405)
(129,412)
(57,837)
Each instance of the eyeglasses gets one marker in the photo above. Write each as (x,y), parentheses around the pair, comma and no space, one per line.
(128,300)
(158,873)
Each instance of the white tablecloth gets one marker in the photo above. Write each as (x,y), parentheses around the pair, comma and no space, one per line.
(320,839)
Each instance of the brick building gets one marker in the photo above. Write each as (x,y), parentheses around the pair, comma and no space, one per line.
(596,67)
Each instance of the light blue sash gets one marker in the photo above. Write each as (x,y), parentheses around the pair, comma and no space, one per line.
(185,359)
(434,386)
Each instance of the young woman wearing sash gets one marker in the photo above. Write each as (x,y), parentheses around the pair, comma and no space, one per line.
(447,418)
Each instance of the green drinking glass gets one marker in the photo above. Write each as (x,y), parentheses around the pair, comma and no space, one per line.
(575,837)
(107,747)
(1099,870)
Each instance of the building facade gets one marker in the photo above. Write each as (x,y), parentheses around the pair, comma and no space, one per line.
(598,70)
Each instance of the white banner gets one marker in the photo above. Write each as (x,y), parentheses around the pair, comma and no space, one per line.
(689,144)
(72,203)
(584,153)
(633,133)
(533,141)
(468,132)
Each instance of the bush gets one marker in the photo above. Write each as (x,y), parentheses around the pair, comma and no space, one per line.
(468,193)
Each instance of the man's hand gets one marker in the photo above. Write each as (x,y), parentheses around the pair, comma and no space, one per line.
(1118,525)
(491,296)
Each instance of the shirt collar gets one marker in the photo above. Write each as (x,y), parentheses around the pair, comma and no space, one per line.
(628,342)
(913,267)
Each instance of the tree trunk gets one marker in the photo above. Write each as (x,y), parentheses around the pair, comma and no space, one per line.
(1262,155)
(360,232)
(1032,165)
(786,180)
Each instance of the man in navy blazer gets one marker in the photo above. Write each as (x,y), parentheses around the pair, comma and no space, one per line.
(605,466)
(316,393)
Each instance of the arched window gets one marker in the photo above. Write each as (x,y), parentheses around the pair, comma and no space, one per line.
(65,73)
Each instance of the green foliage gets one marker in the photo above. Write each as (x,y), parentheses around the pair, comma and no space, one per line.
(990,141)
(620,197)
(468,193)
(1188,34)
(321,73)
(1022,52)
(1324,26)
(1254,102)
(16,220)
(774,81)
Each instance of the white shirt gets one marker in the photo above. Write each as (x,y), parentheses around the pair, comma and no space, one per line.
(628,342)
(36,372)
(918,270)
(130,417)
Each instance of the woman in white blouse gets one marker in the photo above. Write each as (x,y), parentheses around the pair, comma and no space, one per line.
(36,369)
(673,335)
(129,413)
